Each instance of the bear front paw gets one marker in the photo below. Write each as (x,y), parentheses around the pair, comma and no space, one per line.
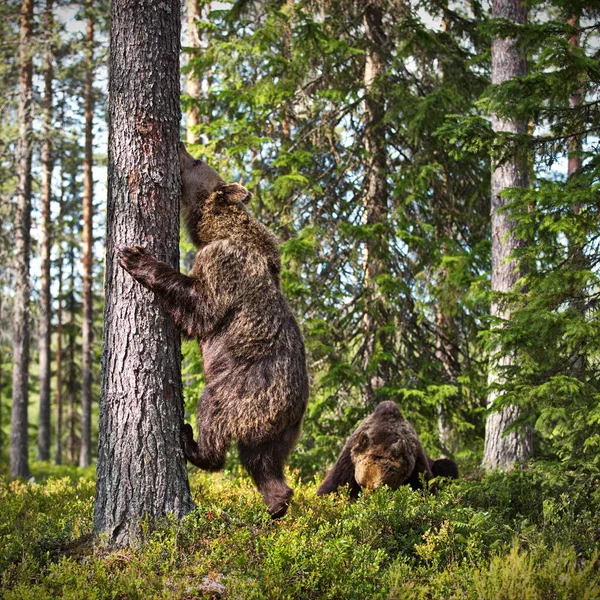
(138,263)
(130,258)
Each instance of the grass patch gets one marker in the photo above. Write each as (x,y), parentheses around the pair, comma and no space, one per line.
(523,535)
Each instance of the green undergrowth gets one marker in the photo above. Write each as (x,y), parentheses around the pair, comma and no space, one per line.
(524,535)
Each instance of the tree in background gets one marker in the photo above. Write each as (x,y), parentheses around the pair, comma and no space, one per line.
(47,161)
(19,460)
(141,468)
(193,85)
(87,329)
(504,447)
(9,81)
(552,333)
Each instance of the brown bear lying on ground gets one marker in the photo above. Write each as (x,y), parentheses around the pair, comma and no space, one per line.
(384,450)
(252,349)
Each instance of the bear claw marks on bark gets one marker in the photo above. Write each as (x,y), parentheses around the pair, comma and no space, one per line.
(254,360)
(384,450)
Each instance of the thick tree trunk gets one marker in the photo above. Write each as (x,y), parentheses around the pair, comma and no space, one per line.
(45,245)
(502,450)
(19,461)
(375,203)
(87,331)
(141,467)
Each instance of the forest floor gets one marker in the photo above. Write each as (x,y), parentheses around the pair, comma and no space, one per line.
(526,535)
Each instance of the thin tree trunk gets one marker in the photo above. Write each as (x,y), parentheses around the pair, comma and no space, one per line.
(375,202)
(503,449)
(45,245)
(575,99)
(19,460)
(87,332)
(578,259)
(285,129)
(446,349)
(58,450)
(193,85)
(141,470)
(446,353)
(72,374)
(1,370)
(59,364)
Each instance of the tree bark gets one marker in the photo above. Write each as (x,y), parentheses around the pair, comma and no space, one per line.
(45,245)
(59,365)
(193,85)
(19,460)
(87,330)
(72,452)
(446,350)
(1,370)
(503,449)
(141,470)
(375,203)
(575,100)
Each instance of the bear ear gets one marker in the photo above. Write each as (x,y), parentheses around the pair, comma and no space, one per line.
(234,193)
(362,442)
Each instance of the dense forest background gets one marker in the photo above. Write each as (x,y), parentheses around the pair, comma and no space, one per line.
(435,189)
(365,134)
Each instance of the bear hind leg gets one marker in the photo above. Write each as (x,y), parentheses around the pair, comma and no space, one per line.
(265,463)
(208,454)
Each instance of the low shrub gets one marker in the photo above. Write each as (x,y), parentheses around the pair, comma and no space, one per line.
(522,535)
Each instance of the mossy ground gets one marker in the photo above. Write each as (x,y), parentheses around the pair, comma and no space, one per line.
(524,535)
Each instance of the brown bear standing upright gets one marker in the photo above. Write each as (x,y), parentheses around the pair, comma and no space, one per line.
(384,450)
(252,349)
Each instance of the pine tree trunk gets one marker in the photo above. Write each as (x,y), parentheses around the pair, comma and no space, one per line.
(193,85)
(141,471)
(19,460)
(87,332)
(503,450)
(59,364)
(1,371)
(446,348)
(72,453)
(45,245)
(375,203)
(578,258)
(575,100)
(446,353)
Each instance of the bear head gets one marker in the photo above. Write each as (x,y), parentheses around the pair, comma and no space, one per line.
(208,203)
(384,451)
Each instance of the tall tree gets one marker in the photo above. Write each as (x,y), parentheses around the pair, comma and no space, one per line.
(87,331)
(375,317)
(58,404)
(193,84)
(19,461)
(141,468)
(45,242)
(71,382)
(502,449)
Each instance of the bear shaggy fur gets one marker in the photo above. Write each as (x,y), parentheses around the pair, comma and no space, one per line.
(252,349)
(384,450)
